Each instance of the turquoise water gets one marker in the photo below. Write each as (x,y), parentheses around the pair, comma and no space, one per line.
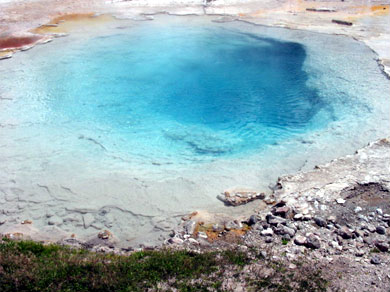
(192,93)
(129,125)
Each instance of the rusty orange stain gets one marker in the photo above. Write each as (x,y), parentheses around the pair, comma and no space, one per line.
(17,42)
(67,22)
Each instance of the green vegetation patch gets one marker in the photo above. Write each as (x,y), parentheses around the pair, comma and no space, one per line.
(31,266)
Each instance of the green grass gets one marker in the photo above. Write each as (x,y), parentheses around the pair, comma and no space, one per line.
(31,266)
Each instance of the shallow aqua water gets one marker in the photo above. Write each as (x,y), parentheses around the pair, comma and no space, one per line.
(129,125)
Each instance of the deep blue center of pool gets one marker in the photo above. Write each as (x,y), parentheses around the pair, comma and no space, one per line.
(185,91)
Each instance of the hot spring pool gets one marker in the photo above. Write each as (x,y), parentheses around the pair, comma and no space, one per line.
(132,124)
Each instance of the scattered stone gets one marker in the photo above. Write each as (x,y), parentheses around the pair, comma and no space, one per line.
(313,242)
(320,221)
(273,220)
(298,217)
(359,253)
(282,211)
(234,224)
(175,240)
(342,22)
(240,197)
(267,232)
(189,226)
(269,240)
(381,230)
(358,209)
(202,234)
(382,246)
(300,240)
(340,201)
(283,230)
(26,222)
(376,260)
(371,228)
(379,211)
(344,232)
(332,219)
(252,220)
(104,234)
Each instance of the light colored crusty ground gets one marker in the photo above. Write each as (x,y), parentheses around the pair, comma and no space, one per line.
(371,21)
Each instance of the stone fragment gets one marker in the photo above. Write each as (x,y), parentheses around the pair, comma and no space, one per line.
(234,224)
(267,232)
(298,217)
(313,242)
(175,240)
(371,228)
(189,226)
(332,219)
(281,211)
(202,234)
(358,209)
(359,253)
(283,230)
(340,201)
(104,234)
(268,240)
(376,260)
(382,246)
(240,197)
(320,221)
(273,220)
(252,220)
(26,222)
(300,240)
(344,232)
(381,230)
(379,211)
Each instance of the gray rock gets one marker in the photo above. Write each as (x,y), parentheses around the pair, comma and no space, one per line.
(282,211)
(381,230)
(313,242)
(175,240)
(189,226)
(382,246)
(234,224)
(283,230)
(300,240)
(269,240)
(332,219)
(371,228)
(252,220)
(320,221)
(275,220)
(376,260)
(267,232)
(345,233)
(298,217)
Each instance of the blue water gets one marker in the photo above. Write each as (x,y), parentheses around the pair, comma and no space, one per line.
(194,92)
